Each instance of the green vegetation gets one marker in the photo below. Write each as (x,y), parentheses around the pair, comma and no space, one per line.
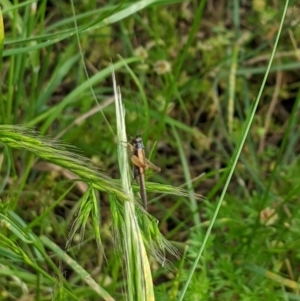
(213,88)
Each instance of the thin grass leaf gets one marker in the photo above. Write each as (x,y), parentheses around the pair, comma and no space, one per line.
(10,255)
(235,156)
(82,273)
(27,276)
(15,252)
(129,10)
(19,253)
(142,94)
(188,178)
(52,113)
(58,36)
(191,35)
(1,38)
(63,68)
(14,228)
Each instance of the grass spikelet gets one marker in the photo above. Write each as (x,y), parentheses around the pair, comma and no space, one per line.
(139,280)
(60,154)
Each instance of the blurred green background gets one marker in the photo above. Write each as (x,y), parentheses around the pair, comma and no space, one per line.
(189,73)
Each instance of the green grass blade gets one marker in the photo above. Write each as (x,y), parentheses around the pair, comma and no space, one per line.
(188,179)
(1,38)
(235,156)
(51,114)
(191,36)
(82,273)
(14,228)
(139,280)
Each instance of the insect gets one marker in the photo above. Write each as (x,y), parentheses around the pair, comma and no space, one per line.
(141,163)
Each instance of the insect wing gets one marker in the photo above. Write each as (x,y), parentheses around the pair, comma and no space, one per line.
(137,162)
